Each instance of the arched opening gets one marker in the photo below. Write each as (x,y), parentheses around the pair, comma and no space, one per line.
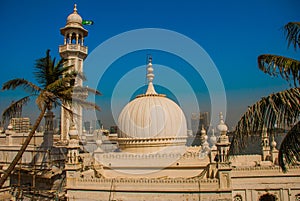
(267,197)
(297,197)
(238,198)
(80,40)
(73,38)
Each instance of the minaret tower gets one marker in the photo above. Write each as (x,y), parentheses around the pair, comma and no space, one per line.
(265,144)
(75,52)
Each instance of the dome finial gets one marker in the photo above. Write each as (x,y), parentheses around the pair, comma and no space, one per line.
(150,77)
(221,117)
(75,8)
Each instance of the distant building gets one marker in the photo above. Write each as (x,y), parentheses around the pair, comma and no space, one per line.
(96,124)
(198,120)
(20,125)
(87,126)
(113,129)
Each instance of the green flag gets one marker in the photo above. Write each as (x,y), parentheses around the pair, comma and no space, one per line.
(87,22)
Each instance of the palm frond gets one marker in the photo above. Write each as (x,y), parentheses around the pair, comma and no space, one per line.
(60,84)
(42,69)
(289,151)
(47,70)
(28,86)
(85,104)
(11,110)
(292,31)
(75,74)
(281,108)
(287,68)
(84,90)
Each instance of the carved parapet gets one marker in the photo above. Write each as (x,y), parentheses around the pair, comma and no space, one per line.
(73,47)
(224,166)
(148,184)
(73,143)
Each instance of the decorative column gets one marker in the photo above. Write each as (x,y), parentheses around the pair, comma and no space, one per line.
(223,164)
(214,149)
(212,170)
(274,151)
(265,144)
(8,134)
(49,130)
(72,161)
(205,146)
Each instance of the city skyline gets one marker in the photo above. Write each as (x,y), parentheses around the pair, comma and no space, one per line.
(233,35)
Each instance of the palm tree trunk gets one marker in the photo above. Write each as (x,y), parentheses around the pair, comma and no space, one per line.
(23,148)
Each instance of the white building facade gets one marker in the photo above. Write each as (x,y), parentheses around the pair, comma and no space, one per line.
(150,160)
(155,164)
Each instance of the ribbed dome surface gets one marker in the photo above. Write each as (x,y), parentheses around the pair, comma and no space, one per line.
(74,18)
(152,116)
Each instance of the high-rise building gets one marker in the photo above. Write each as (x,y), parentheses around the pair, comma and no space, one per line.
(198,120)
(20,125)
(87,126)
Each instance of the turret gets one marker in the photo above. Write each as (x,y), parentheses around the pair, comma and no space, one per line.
(75,52)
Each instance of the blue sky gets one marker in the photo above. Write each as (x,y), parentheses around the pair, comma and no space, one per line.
(233,33)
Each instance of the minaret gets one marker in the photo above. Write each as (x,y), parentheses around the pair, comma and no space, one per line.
(223,163)
(223,141)
(75,52)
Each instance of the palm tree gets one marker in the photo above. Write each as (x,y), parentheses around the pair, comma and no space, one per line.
(281,109)
(56,85)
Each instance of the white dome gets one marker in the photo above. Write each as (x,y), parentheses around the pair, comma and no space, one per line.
(152,116)
(74,18)
(222,127)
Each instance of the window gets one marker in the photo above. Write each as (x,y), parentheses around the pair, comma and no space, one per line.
(267,197)
(238,198)
(297,197)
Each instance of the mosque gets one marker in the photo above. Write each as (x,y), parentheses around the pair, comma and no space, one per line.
(148,159)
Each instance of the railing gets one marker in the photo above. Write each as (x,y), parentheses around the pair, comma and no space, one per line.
(73,47)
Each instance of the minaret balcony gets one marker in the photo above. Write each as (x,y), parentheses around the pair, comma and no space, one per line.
(73,47)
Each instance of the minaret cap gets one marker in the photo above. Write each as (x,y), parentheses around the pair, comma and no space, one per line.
(222,126)
(74,21)
(74,18)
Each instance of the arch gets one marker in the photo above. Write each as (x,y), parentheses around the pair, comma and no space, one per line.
(73,38)
(267,197)
(238,198)
(297,197)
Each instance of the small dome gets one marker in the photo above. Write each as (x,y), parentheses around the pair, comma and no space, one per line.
(74,18)
(203,131)
(213,139)
(10,126)
(222,126)
(273,143)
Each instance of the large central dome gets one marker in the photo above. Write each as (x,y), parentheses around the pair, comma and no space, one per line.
(151,120)
(152,116)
